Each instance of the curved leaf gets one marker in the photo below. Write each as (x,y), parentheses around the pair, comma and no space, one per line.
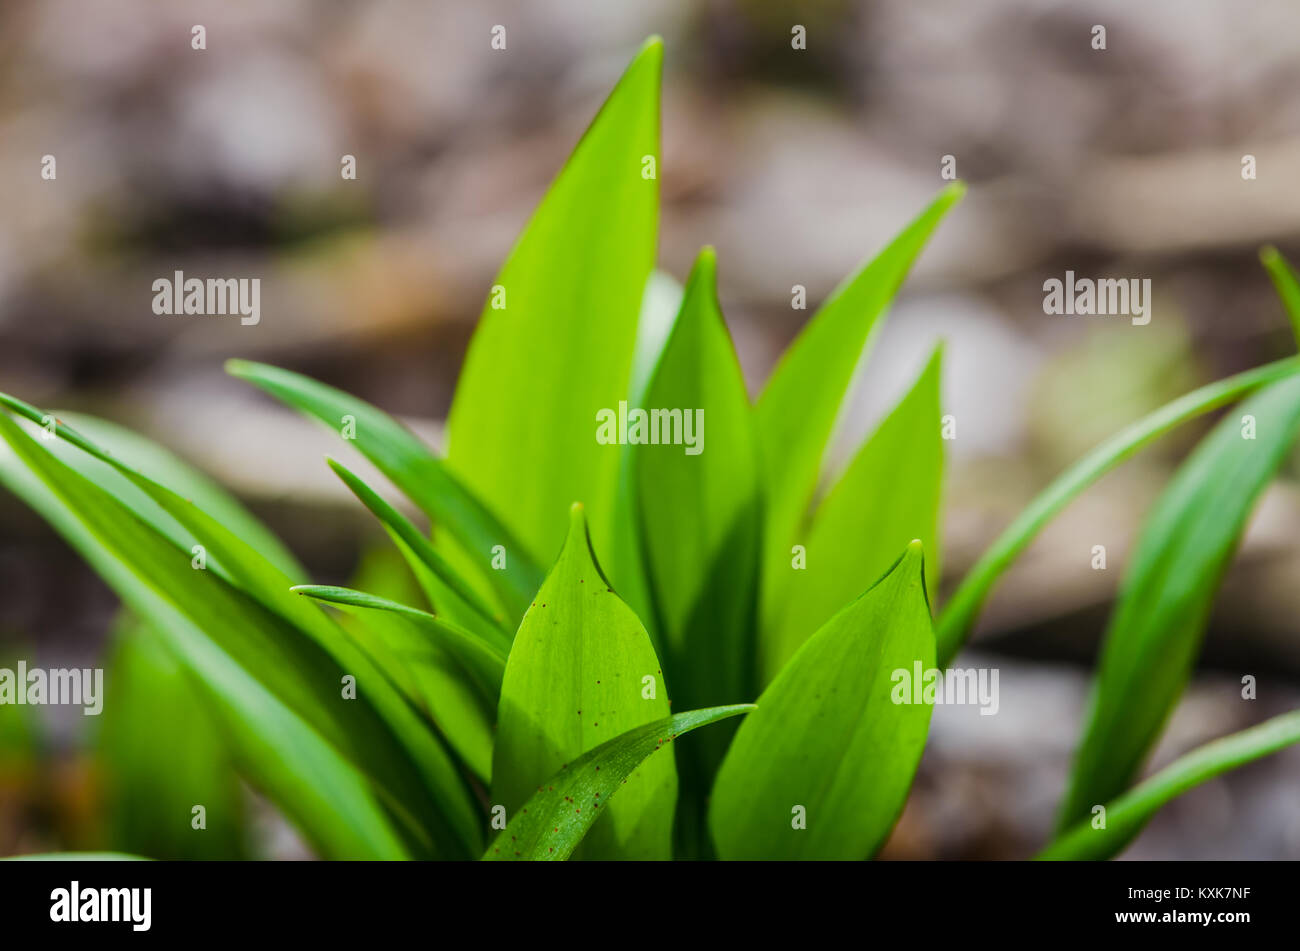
(889,494)
(1175,569)
(1126,816)
(553,822)
(798,410)
(453,595)
(414,469)
(581,671)
(698,504)
(561,348)
(958,615)
(828,737)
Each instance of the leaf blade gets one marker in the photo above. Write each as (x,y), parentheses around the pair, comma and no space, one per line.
(576,676)
(1126,816)
(592,779)
(538,370)
(800,406)
(1181,555)
(828,736)
(889,494)
(959,613)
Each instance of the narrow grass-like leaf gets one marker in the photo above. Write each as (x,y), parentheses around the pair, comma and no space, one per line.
(699,504)
(279,690)
(461,602)
(447,670)
(822,768)
(958,615)
(556,339)
(553,822)
(1126,816)
(581,671)
(1180,558)
(414,469)
(234,560)
(799,407)
(1288,286)
(888,495)
(483,661)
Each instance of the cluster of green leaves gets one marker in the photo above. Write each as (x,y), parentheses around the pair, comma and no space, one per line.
(517,704)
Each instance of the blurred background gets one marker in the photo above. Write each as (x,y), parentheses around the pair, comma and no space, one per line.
(796,165)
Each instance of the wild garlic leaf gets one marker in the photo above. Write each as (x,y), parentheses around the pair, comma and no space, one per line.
(798,409)
(959,613)
(413,468)
(699,507)
(1126,815)
(888,495)
(299,629)
(582,671)
(556,339)
(1182,552)
(328,768)
(447,670)
(624,563)
(450,593)
(553,822)
(822,768)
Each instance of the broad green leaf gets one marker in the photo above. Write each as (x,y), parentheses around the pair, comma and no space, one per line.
(447,670)
(1126,816)
(553,822)
(888,495)
(559,344)
(958,615)
(582,671)
(699,503)
(421,475)
(278,690)
(800,406)
(1180,557)
(1288,287)
(830,743)
(234,560)
(160,753)
(624,564)
(452,595)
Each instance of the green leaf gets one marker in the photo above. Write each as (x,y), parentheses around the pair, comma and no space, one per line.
(327,762)
(624,563)
(484,662)
(452,595)
(888,495)
(295,625)
(553,822)
(447,670)
(958,615)
(801,403)
(1126,816)
(699,504)
(1184,548)
(828,736)
(1288,287)
(421,475)
(160,753)
(582,670)
(538,369)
